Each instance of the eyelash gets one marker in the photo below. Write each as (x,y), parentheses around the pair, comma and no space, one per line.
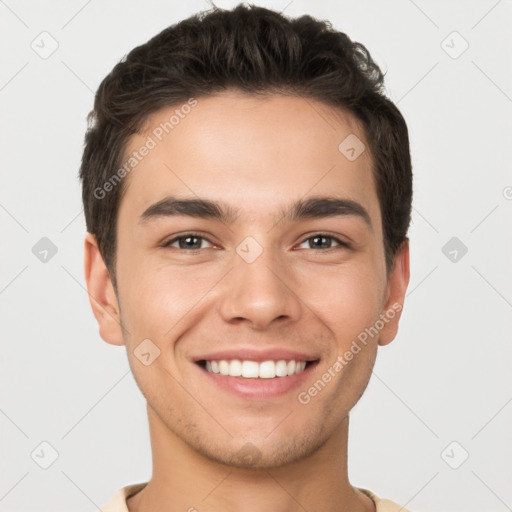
(341,243)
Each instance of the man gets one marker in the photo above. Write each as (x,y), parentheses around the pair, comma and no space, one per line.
(247,190)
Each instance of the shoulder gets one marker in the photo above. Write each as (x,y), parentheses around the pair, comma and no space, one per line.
(384,505)
(117,502)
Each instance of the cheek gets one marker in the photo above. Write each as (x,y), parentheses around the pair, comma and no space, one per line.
(157,298)
(345,300)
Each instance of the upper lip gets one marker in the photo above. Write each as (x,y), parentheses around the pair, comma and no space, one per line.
(253,354)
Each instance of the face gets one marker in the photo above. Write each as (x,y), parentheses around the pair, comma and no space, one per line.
(282,274)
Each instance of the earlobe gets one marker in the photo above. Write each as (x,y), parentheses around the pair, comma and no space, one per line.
(102,296)
(397,286)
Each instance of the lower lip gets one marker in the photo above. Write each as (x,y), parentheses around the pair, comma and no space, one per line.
(260,389)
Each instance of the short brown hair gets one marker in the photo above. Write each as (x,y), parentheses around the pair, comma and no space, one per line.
(255,50)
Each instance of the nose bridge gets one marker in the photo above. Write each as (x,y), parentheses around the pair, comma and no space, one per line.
(258,289)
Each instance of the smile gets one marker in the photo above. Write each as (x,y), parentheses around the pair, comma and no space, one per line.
(253,369)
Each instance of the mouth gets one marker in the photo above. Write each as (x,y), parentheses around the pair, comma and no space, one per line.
(249,369)
(259,380)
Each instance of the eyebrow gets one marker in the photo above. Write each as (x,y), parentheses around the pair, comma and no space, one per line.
(310,208)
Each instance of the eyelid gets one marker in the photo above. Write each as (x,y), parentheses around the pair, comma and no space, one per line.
(186,234)
(340,241)
(336,238)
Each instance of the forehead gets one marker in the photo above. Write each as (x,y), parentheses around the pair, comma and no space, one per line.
(252,152)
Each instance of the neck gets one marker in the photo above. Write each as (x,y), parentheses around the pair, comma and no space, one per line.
(185,480)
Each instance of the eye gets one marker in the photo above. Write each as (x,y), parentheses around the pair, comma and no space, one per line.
(323,241)
(188,241)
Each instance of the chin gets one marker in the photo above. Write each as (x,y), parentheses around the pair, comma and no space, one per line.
(260,453)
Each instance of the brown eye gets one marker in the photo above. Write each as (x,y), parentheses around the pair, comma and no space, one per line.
(323,241)
(189,242)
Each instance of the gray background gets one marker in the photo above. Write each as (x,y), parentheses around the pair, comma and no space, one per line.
(445,378)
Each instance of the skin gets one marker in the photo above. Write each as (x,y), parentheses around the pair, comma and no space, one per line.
(257,155)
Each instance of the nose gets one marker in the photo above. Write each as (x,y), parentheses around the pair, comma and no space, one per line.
(259,293)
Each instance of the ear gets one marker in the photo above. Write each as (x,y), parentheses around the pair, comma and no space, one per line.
(396,288)
(101,291)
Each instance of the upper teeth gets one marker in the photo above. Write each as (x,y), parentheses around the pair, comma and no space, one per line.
(254,370)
